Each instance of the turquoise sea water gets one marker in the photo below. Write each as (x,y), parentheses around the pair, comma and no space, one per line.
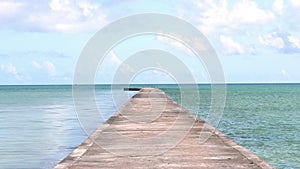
(39,126)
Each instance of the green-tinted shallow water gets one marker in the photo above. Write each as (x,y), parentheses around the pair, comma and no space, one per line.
(39,126)
(263,118)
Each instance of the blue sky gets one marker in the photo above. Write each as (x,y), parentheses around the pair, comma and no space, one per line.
(256,41)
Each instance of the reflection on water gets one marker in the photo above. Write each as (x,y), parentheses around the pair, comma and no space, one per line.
(263,118)
(39,125)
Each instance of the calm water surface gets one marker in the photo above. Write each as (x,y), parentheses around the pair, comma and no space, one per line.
(39,126)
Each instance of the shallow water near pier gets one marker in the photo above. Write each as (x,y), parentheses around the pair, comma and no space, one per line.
(39,125)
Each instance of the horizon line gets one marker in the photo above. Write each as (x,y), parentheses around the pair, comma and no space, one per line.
(202,83)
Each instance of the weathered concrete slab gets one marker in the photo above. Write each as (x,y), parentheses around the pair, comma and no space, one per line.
(152,131)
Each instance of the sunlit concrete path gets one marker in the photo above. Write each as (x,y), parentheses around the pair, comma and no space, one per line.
(153,131)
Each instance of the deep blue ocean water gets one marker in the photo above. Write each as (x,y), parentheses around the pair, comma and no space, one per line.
(39,125)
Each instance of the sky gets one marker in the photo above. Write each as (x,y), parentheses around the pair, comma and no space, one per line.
(256,41)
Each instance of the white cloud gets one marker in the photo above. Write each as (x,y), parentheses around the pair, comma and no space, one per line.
(272,40)
(10,69)
(294,41)
(216,15)
(289,16)
(50,67)
(248,12)
(58,5)
(283,72)
(47,66)
(232,47)
(8,8)
(36,65)
(295,3)
(283,42)
(278,6)
(175,44)
(211,14)
(67,16)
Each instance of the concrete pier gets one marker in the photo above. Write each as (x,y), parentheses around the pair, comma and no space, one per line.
(152,131)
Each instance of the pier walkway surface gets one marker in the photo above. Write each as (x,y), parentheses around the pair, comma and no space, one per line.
(153,131)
